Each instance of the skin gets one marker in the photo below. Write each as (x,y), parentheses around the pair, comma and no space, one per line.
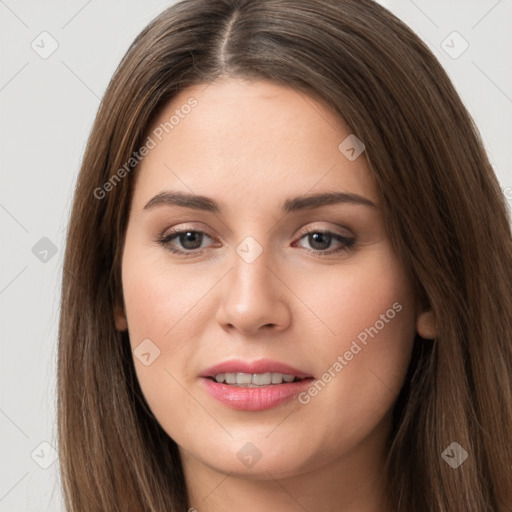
(250,146)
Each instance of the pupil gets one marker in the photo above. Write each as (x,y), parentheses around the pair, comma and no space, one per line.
(191,236)
(316,237)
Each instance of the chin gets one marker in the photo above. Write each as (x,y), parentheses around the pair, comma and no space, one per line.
(262,459)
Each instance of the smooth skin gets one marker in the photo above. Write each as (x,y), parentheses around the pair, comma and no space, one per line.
(250,145)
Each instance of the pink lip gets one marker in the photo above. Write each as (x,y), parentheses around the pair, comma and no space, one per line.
(254,399)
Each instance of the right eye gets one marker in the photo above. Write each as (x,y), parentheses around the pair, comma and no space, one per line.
(189,239)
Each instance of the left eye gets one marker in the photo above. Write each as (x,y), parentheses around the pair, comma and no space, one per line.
(322,240)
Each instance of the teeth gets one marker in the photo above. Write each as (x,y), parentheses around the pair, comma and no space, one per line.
(230,378)
(253,379)
(277,378)
(243,378)
(261,379)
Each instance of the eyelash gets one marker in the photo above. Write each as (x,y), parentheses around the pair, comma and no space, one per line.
(348,243)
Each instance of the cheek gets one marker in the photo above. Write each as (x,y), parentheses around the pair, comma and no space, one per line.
(161,298)
(167,309)
(369,310)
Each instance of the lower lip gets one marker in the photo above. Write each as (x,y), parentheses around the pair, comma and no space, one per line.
(255,399)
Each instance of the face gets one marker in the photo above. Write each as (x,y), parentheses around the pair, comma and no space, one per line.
(253,285)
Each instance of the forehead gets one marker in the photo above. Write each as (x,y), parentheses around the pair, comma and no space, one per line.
(251,138)
(254,106)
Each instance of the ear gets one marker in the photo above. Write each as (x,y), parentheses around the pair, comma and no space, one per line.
(120,318)
(426,325)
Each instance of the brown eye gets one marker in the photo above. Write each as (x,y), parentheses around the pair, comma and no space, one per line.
(320,240)
(190,241)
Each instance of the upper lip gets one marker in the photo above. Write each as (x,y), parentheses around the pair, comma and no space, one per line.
(259,366)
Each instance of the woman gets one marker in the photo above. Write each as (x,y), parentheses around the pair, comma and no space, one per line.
(288,274)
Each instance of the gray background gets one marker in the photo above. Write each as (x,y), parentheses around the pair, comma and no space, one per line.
(48,106)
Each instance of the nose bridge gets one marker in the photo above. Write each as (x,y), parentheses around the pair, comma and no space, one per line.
(252,270)
(253,297)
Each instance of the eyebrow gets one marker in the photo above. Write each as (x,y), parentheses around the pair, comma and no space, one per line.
(304,202)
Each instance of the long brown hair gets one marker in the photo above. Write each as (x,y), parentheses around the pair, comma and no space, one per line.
(444,211)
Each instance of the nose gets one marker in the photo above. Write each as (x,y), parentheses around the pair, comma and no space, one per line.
(254,298)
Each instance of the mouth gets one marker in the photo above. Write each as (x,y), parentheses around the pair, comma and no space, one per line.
(255,380)
(254,386)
